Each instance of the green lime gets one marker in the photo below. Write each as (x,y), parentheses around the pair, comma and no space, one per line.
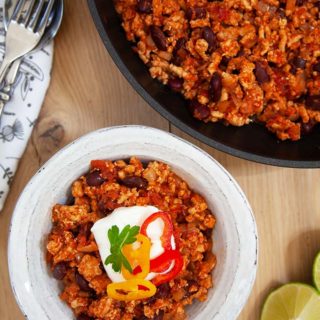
(292,301)
(316,272)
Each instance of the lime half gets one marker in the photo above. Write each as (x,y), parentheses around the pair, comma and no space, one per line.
(316,272)
(293,301)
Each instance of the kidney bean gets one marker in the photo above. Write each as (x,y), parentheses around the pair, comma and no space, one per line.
(145,163)
(159,38)
(82,282)
(209,36)
(193,283)
(101,207)
(145,6)
(93,295)
(135,182)
(60,270)
(299,3)
(207,233)
(200,13)
(189,13)
(94,179)
(179,52)
(199,110)
(181,217)
(283,4)
(163,291)
(317,4)
(224,63)
(215,87)
(313,102)
(293,70)
(179,56)
(300,99)
(196,13)
(299,62)
(308,127)
(181,42)
(75,231)
(83,316)
(175,84)
(316,67)
(261,73)
(282,13)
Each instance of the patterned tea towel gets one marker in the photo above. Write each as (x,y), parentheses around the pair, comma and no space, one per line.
(20,114)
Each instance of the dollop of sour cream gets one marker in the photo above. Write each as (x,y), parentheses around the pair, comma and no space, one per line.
(134,216)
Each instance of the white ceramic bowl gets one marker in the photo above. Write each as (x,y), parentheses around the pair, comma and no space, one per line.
(235,234)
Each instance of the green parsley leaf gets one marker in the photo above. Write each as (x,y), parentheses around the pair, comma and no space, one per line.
(113,233)
(126,263)
(109,259)
(117,241)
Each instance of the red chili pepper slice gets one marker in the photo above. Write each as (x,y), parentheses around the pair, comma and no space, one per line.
(167,230)
(143,288)
(162,278)
(137,270)
(133,289)
(163,262)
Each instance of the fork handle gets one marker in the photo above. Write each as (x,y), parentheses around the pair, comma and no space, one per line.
(4,68)
(5,96)
(2,104)
(6,91)
(12,73)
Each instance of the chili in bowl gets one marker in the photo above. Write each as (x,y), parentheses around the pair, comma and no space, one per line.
(132,223)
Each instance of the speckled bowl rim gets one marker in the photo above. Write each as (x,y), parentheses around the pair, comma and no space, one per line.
(243,292)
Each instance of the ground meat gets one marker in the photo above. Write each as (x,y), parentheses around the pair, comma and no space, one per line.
(74,257)
(237,61)
(89,267)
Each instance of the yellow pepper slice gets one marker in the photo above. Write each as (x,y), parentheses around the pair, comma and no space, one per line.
(133,289)
(139,258)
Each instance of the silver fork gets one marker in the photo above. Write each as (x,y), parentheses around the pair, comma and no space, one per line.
(6,91)
(25,29)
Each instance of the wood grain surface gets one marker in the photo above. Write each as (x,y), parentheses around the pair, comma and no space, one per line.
(88,92)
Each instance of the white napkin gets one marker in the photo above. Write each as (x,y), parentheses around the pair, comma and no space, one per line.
(20,114)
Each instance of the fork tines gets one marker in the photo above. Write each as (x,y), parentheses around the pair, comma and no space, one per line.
(33,14)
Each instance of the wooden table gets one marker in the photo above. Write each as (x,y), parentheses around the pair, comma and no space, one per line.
(88,92)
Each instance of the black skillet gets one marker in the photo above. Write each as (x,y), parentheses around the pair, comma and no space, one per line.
(252,142)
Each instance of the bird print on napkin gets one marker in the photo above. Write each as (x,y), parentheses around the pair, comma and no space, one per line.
(20,114)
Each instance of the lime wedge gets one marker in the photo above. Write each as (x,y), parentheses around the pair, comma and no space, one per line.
(293,301)
(316,272)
